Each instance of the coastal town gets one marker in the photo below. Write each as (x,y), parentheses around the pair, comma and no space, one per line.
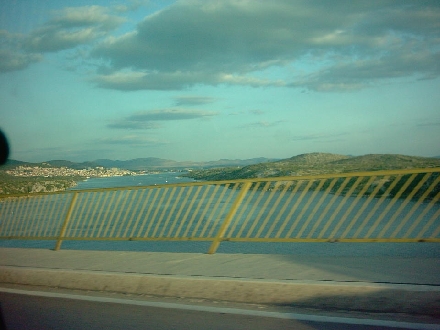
(28,179)
(48,172)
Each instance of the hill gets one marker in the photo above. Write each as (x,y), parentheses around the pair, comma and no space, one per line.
(139,164)
(159,163)
(317,163)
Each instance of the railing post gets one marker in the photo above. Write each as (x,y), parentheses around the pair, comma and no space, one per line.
(218,238)
(66,222)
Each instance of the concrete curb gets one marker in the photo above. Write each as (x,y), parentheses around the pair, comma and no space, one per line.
(367,297)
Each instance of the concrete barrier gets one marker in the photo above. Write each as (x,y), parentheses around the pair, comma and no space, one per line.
(358,296)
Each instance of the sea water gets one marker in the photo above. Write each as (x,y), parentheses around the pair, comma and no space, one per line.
(132,180)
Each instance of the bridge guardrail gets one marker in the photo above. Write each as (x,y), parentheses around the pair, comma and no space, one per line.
(380,206)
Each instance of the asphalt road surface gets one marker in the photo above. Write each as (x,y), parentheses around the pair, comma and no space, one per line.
(49,310)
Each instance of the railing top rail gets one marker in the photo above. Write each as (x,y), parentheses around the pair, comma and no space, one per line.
(219,182)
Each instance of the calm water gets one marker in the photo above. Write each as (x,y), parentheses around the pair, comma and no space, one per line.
(129,181)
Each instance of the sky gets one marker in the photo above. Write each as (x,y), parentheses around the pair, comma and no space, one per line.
(205,80)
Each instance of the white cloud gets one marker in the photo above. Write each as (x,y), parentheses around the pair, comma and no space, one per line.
(12,61)
(211,42)
(71,27)
(176,80)
(235,42)
(12,57)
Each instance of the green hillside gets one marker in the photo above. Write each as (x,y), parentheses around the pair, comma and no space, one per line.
(317,163)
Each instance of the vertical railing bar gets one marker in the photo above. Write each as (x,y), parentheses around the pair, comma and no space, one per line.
(196,212)
(223,209)
(379,203)
(403,204)
(329,222)
(78,218)
(9,208)
(294,207)
(43,229)
(147,216)
(415,206)
(216,242)
(167,204)
(81,218)
(335,212)
(433,202)
(362,209)
(436,216)
(133,213)
(91,226)
(86,207)
(110,213)
(118,217)
(13,205)
(347,212)
(23,215)
(30,220)
(176,218)
(73,217)
(115,215)
(66,222)
(248,204)
(179,212)
(391,204)
(205,211)
(156,212)
(128,226)
(283,209)
(106,219)
(141,212)
(29,230)
(321,200)
(58,215)
(306,207)
(188,226)
(185,216)
(341,204)
(18,222)
(268,200)
(238,216)
(4,216)
(44,201)
(36,218)
(182,221)
(426,209)
(99,220)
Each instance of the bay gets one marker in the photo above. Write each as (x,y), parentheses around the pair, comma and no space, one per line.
(133,180)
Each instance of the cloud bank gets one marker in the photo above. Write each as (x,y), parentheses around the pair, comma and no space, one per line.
(318,45)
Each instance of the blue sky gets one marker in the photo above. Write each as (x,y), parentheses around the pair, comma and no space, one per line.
(206,80)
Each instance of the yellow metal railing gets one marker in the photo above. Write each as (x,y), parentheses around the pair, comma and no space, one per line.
(382,206)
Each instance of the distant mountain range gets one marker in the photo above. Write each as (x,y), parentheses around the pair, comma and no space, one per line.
(304,164)
(150,163)
(317,163)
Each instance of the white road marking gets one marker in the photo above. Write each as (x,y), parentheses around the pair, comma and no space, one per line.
(225,310)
